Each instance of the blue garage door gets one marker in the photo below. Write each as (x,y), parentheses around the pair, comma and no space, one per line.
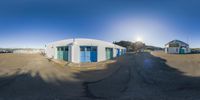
(62,53)
(118,52)
(88,53)
(122,51)
(109,53)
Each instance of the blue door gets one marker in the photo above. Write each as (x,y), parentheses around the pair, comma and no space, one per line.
(109,53)
(59,53)
(65,53)
(62,53)
(181,51)
(118,52)
(88,54)
(83,54)
(93,54)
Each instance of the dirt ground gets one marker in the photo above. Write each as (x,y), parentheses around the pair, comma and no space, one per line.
(134,76)
(33,77)
(188,63)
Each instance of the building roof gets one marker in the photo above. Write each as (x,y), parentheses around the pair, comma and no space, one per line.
(177,41)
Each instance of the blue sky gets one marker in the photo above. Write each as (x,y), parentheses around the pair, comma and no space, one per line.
(34,23)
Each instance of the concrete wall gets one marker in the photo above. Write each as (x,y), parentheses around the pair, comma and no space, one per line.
(172,50)
(75,53)
(101,53)
(175,50)
(50,51)
(115,52)
(28,51)
(188,50)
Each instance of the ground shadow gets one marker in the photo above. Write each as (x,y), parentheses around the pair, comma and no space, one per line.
(171,81)
(24,86)
(149,71)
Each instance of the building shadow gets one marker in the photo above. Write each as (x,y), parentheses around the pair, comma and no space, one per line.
(25,86)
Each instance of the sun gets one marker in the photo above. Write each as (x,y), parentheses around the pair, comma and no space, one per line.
(139,39)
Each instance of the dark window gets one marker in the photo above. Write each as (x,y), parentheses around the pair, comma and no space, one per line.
(58,49)
(66,48)
(88,48)
(110,49)
(174,45)
(94,48)
(62,48)
(82,48)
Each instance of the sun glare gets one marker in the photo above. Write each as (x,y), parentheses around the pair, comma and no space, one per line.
(139,39)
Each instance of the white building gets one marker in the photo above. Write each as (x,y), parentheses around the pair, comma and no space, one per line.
(28,51)
(83,50)
(177,47)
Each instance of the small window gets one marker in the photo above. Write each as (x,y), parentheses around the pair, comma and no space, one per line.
(62,48)
(82,48)
(88,48)
(109,49)
(58,49)
(94,48)
(66,48)
(173,45)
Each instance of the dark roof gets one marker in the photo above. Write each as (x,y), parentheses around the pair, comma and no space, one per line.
(175,41)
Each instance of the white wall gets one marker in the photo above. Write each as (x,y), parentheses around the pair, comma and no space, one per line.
(114,52)
(188,50)
(55,52)
(101,53)
(75,53)
(50,51)
(70,53)
(173,50)
(29,51)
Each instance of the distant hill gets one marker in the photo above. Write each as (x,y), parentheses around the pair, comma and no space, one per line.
(126,44)
(134,46)
(153,48)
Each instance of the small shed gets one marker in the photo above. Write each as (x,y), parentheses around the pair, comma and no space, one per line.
(177,47)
